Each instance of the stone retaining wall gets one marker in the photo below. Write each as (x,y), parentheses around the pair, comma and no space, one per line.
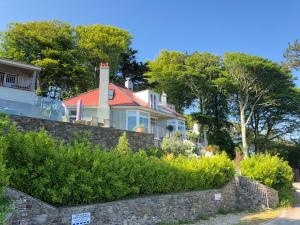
(106,137)
(145,210)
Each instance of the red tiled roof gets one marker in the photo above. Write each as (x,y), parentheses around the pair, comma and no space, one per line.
(122,96)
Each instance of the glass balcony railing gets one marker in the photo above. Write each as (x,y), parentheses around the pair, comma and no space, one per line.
(42,107)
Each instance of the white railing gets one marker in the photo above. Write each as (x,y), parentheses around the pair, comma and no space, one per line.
(165,108)
(15,81)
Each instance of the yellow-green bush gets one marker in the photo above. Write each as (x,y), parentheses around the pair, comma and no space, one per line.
(271,171)
(3,147)
(79,173)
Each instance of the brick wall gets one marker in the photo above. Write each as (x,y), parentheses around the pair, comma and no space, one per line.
(106,137)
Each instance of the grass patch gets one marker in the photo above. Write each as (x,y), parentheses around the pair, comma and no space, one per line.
(261,217)
(5,208)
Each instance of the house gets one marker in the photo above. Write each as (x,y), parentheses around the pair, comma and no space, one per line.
(18,83)
(122,108)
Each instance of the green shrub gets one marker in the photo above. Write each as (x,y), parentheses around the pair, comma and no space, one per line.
(123,144)
(78,173)
(4,124)
(3,170)
(154,151)
(175,145)
(5,208)
(271,171)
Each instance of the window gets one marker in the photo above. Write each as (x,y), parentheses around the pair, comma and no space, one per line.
(154,99)
(72,115)
(137,118)
(151,101)
(144,120)
(181,126)
(111,94)
(131,120)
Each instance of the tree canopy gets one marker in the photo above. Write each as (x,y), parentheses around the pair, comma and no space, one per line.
(292,55)
(252,83)
(68,55)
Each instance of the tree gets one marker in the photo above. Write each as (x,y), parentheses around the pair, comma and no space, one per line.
(199,72)
(100,43)
(276,121)
(252,82)
(166,73)
(131,68)
(50,45)
(68,55)
(292,55)
(123,146)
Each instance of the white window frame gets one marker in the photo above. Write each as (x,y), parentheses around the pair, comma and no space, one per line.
(138,112)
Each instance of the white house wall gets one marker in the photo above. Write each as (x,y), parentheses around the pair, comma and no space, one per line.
(88,113)
(144,95)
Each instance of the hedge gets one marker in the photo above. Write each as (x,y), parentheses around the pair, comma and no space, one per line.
(3,148)
(79,173)
(271,171)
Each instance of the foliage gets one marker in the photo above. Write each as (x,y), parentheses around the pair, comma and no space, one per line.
(177,146)
(4,123)
(123,145)
(102,43)
(292,55)
(78,173)
(68,55)
(131,68)
(5,208)
(51,45)
(271,171)
(166,73)
(190,80)
(154,151)
(247,81)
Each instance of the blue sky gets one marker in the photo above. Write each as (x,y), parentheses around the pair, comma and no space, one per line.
(259,27)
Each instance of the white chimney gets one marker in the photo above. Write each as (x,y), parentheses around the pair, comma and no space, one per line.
(103,107)
(129,84)
(164,99)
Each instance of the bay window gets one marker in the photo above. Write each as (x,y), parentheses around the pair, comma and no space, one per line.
(137,118)
(144,120)
(131,120)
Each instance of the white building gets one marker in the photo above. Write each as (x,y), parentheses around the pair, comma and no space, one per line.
(18,87)
(122,108)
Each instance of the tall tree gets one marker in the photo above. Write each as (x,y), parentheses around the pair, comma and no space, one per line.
(252,82)
(100,43)
(292,55)
(278,120)
(133,69)
(166,73)
(67,55)
(50,45)
(200,70)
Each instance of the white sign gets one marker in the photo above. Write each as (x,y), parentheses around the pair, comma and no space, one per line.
(218,197)
(80,219)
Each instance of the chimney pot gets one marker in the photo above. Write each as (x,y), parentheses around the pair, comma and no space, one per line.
(164,99)
(129,84)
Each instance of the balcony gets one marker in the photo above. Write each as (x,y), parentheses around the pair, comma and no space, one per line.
(17,82)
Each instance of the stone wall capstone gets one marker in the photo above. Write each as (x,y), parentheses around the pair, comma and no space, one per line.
(106,137)
(147,210)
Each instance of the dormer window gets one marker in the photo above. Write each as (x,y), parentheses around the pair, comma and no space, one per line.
(111,94)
